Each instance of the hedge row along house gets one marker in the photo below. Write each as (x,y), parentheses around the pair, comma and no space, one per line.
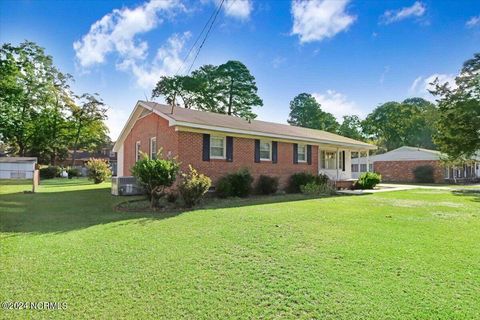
(398,166)
(216,144)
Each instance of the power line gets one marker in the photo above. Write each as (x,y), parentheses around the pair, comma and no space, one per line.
(206,35)
(196,41)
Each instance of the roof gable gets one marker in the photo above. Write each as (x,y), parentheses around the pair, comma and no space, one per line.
(229,124)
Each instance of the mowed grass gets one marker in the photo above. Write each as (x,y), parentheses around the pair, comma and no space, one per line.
(398,255)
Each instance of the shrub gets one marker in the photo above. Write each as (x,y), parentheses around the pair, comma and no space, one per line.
(299,179)
(238,184)
(424,174)
(98,170)
(172,197)
(155,175)
(368,180)
(266,185)
(314,188)
(50,172)
(73,172)
(193,186)
(322,178)
(223,188)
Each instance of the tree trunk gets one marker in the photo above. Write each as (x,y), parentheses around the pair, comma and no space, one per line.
(77,137)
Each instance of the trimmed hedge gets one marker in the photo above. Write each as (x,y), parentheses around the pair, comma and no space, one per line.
(238,184)
(424,174)
(368,180)
(266,185)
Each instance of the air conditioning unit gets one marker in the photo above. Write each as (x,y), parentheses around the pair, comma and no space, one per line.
(126,186)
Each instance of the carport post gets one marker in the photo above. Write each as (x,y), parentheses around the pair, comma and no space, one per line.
(368,161)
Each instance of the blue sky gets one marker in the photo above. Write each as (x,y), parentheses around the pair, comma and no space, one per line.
(352,55)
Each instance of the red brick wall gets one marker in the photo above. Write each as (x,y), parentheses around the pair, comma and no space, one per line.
(188,147)
(402,171)
(190,152)
(144,129)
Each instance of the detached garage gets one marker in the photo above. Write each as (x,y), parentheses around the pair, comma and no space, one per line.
(17,167)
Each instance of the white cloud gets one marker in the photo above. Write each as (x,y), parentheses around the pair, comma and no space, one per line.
(166,62)
(418,9)
(473,22)
(117,32)
(316,20)
(337,104)
(240,9)
(421,85)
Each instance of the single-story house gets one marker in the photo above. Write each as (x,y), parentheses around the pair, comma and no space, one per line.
(17,167)
(216,144)
(398,165)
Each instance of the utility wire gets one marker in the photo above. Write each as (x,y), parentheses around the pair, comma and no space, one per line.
(196,41)
(206,36)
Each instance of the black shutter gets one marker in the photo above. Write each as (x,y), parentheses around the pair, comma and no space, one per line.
(229,149)
(343,160)
(295,153)
(206,147)
(257,150)
(274,152)
(309,154)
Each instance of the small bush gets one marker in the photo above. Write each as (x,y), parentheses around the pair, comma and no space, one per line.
(50,172)
(73,173)
(424,174)
(98,170)
(223,188)
(193,186)
(313,188)
(299,179)
(368,180)
(266,185)
(155,175)
(322,179)
(238,184)
(172,197)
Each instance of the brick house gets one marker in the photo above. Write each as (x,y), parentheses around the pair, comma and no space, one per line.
(216,144)
(398,166)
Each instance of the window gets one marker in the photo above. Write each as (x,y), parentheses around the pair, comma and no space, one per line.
(153,148)
(302,153)
(137,151)
(328,160)
(265,150)
(363,167)
(217,147)
(354,167)
(340,161)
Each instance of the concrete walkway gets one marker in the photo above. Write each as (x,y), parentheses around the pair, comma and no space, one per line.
(386,187)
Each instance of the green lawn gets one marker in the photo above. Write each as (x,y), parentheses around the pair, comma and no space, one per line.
(396,255)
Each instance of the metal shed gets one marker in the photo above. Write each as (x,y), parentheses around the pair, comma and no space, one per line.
(17,167)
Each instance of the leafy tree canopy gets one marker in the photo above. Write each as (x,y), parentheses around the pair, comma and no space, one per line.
(229,89)
(306,112)
(395,124)
(458,126)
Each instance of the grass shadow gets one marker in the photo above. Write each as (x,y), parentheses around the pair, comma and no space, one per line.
(83,206)
(474,194)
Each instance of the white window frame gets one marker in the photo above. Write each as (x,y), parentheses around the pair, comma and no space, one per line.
(304,147)
(137,150)
(269,150)
(224,140)
(152,139)
(323,160)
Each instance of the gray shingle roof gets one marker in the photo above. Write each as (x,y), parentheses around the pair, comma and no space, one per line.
(226,122)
